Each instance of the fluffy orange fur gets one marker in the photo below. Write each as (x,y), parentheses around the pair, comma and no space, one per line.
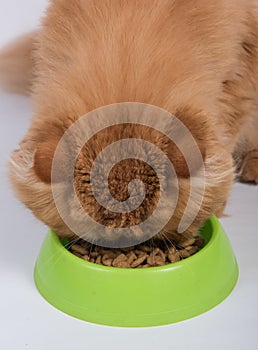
(197,59)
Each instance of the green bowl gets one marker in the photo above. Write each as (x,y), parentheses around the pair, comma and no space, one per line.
(138,297)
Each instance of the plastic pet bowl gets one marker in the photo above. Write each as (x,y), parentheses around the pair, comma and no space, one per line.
(138,297)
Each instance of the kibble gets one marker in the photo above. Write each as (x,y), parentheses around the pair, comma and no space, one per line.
(158,253)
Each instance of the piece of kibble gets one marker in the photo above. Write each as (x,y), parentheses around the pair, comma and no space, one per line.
(139,261)
(107,262)
(139,252)
(131,257)
(152,257)
(86,257)
(146,265)
(174,257)
(109,256)
(121,264)
(184,253)
(172,250)
(162,255)
(156,250)
(79,249)
(98,260)
(194,249)
(118,259)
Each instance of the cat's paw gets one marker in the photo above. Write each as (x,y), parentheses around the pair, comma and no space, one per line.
(249,169)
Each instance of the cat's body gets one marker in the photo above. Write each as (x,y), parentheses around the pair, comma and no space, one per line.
(197,59)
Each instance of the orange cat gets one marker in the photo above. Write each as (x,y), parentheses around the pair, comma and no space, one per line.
(197,59)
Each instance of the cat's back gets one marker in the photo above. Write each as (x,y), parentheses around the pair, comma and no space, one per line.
(119,50)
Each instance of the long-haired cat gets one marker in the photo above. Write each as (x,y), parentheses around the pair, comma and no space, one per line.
(197,59)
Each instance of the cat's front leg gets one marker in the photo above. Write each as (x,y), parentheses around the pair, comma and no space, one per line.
(246,152)
(249,169)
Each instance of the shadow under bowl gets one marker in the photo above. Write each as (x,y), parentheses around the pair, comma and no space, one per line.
(138,297)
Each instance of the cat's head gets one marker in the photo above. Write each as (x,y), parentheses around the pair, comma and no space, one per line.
(198,188)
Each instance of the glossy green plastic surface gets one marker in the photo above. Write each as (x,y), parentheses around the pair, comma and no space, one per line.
(138,297)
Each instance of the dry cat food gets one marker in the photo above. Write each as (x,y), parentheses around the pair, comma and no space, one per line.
(140,256)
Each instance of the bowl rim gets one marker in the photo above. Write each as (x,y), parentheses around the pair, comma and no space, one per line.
(213,221)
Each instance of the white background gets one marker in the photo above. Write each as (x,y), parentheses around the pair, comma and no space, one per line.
(28,322)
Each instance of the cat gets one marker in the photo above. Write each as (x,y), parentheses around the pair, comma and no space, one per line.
(196,59)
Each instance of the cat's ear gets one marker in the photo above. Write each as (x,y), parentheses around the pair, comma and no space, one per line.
(17,64)
(180,163)
(43,159)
